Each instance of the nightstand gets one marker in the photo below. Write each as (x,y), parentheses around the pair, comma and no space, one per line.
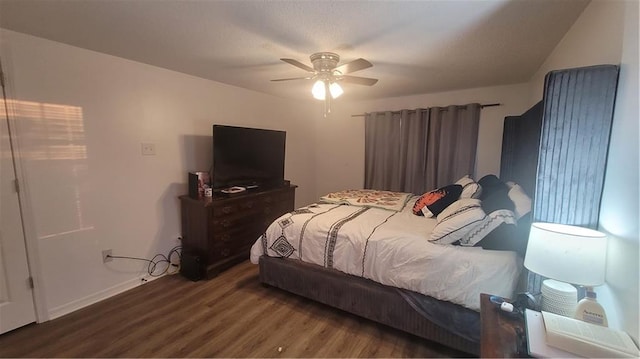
(498,332)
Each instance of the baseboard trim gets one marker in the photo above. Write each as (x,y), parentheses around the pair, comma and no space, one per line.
(65,309)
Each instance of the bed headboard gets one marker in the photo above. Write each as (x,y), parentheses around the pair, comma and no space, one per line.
(520,147)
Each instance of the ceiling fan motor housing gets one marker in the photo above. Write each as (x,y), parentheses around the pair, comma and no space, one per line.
(324,61)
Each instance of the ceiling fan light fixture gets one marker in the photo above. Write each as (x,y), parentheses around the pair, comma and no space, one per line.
(327,74)
(336,90)
(318,90)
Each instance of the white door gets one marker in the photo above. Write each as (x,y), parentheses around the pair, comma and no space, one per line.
(16,292)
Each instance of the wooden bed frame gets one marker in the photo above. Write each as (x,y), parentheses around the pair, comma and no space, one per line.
(385,304)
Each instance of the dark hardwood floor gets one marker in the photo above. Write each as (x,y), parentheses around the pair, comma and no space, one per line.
(232,315)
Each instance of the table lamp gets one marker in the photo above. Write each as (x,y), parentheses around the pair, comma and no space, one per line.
(568,254)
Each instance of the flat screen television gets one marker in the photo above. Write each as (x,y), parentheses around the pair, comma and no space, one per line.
(247,157)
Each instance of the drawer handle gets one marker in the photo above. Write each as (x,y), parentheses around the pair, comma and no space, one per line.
(225,238)
(225,223)
(227,210)
(225,252)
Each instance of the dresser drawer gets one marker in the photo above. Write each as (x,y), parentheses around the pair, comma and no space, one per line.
(235,207)
(242,204)
(220,251)
(224,223)
(241,234)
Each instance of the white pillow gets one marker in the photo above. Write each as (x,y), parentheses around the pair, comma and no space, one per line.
(457,220)
(470,188)
(521,201)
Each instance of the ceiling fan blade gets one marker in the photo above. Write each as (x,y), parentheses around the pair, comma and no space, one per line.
(299,64)
(355,65)
(359,80)
(294,78)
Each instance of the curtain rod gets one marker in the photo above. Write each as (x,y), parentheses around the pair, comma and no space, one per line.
(481,106)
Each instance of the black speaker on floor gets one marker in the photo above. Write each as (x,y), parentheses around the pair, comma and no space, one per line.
(192,267)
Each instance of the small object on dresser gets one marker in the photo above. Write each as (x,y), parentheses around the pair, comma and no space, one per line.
(506,307)
(590,311)
(197,182)
(233,190)
(559,297)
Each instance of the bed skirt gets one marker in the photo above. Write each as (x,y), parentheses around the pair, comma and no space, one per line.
(360,296)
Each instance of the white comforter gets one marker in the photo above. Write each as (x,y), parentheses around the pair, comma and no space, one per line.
(391,248)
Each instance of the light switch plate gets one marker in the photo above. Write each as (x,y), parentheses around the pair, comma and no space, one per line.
(148,149)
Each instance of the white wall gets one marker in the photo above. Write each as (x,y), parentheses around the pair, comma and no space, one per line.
(607,32)
(594,39)
(81,117)
(340,147)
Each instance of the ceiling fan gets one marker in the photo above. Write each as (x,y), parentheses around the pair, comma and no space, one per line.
(328,74)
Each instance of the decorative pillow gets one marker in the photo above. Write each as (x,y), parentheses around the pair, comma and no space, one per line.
(470,189)
(498,199)
(521,201)
(457,220)
(491,184)
(432,203)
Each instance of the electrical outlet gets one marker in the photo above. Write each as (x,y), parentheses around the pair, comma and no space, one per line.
(148,149)
(106,256)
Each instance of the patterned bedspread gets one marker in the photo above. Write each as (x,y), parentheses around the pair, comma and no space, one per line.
(394,201)
(391,248)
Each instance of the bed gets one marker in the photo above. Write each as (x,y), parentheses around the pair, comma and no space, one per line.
(367,253)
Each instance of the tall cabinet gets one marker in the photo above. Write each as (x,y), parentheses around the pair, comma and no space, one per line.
(218,232)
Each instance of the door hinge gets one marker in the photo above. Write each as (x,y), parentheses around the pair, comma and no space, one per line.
(16,185)
(30,282)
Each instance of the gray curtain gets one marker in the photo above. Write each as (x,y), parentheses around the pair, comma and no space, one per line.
(420,150)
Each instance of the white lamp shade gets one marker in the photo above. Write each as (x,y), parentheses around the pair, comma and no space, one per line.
(566,253)
(336,90)
(318,90)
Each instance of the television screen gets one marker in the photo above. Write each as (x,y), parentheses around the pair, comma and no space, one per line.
(247,156)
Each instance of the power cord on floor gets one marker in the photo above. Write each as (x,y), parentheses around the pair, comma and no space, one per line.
(152,268)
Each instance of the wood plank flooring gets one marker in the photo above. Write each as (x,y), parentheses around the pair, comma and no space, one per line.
(232,315)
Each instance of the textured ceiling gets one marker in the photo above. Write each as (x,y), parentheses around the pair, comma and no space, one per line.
(415,47)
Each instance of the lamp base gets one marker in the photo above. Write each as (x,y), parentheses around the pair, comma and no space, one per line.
(590,311)
(559,298)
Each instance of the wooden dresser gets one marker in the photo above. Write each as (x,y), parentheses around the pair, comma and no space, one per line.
(221,230)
